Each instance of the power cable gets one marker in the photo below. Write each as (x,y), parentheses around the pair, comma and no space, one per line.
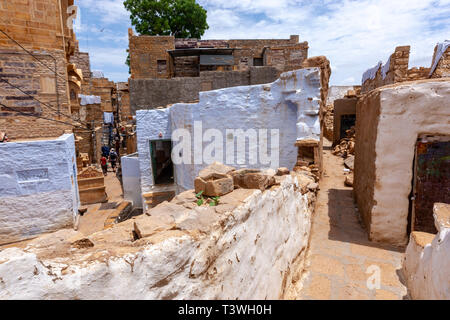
(45,104)
(31,54)
(36,116)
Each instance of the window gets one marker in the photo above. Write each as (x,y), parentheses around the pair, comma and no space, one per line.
(162,66)
(73,95)
(258,62)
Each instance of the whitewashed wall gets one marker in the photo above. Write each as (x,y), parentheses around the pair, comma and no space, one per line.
(290,104)
(38,187)
(248,254)
(427,269)
(131,179)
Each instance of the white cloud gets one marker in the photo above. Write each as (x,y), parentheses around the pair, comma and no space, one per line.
(353,34)
(110,11)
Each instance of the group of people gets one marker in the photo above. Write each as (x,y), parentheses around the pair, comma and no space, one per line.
(111,156)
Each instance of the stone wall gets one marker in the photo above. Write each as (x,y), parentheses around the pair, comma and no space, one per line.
(149,57)
(38,187)
(396,70)
(82,61)
(104,88)
(389,122)
(37,83)
(145,51)
(153,93)
(38,25)
(287,57)
(35,24)
(443,66)
(244,248)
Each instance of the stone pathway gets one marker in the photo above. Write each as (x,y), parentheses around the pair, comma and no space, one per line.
(340,251)
(94,219)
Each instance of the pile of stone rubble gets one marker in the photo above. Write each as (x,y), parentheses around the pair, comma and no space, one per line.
(346,150)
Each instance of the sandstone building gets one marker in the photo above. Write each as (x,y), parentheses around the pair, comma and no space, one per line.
(35,47)
(165,70)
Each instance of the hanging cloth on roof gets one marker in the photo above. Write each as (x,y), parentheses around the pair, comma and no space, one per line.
(440,50)
(108,117)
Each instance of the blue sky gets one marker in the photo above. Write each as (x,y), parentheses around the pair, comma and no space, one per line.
(354,35)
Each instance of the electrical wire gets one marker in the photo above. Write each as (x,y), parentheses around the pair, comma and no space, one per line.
(31,54)
(36,116)
(45,104)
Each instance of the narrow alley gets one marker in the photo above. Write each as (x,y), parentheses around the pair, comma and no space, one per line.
(340,252)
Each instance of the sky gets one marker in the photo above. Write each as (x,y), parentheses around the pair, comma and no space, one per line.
(353,35)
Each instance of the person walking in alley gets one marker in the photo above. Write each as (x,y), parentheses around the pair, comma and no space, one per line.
(113,159)
(104,164)
(105,151)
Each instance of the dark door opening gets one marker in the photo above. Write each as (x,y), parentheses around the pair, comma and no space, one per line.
(162,166)
(347,121)
(431,180)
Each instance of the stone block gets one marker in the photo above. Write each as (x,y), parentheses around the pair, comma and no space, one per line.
(252,179)
(214,184)
(146,226)
(282,171)
(216,167)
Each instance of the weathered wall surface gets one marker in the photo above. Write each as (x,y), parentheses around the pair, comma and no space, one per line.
(38,26)
(427,260)
(389,121)
(290,105)
(104,88)
(145,51)
(153,93)
(442,68)
(35,24)
(35,82)
(149,57)
(242,249)
(38,187)
(82,61)
(396,70)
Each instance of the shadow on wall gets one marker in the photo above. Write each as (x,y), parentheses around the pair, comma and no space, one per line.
(345,223)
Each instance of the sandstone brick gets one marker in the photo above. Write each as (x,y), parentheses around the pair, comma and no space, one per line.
(214,184)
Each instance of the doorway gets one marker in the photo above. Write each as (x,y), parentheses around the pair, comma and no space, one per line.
(431,180)
(162,166)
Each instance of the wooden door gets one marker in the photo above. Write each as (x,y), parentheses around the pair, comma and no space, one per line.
(431,180)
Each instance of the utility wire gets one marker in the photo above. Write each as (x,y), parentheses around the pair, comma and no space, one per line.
(45,104)
(36,116)
(31,54)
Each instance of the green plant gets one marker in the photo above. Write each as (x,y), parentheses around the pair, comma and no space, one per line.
(214,201)
(200,200)
(178,18)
